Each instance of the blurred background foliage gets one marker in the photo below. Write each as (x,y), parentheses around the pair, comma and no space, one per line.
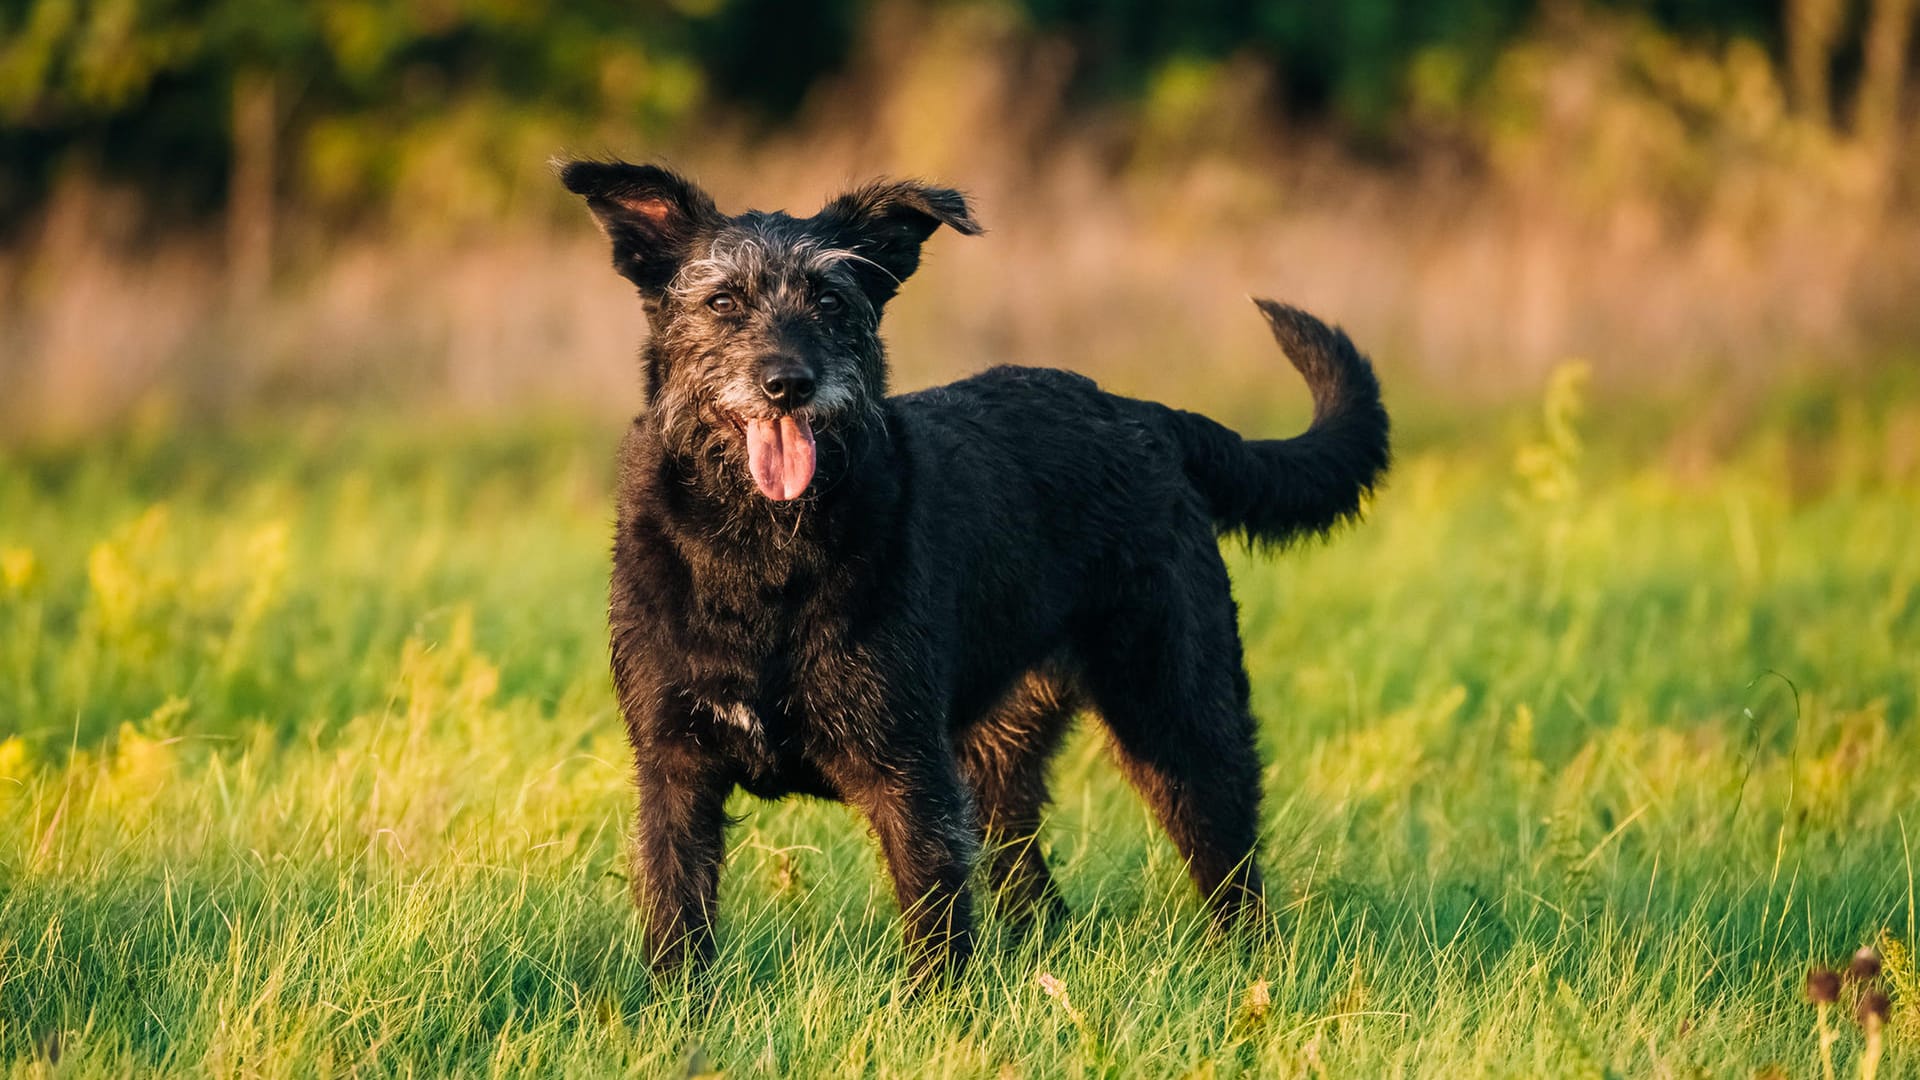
(146,91)
(214,203)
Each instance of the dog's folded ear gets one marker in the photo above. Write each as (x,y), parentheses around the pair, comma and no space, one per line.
(651,215)
(886,221)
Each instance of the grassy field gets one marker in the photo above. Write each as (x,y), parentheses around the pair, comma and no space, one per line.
(1581,752)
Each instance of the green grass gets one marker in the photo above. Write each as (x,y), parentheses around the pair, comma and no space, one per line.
(309,764)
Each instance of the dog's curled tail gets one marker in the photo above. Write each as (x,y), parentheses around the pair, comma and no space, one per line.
(1279,490)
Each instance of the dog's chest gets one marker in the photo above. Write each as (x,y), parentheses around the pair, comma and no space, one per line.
(760,646)
(767,748)
(775,707)
(766,655)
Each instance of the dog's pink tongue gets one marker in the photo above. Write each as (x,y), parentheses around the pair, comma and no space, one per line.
(780,456)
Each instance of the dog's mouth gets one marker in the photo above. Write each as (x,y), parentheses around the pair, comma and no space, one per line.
(780,453)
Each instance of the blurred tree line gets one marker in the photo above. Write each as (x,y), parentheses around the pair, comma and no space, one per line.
(168,93)
(209,106)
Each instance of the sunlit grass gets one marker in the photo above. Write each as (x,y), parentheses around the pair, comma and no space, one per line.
(1578,759)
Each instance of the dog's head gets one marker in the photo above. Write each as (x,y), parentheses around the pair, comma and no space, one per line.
(766,327)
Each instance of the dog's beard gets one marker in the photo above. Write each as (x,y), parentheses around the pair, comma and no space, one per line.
(782,456)
(778,456)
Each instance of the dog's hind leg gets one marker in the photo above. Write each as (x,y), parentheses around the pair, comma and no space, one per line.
(1165,673)
(1004,760)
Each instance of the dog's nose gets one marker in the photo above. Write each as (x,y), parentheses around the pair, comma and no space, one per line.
(787,383)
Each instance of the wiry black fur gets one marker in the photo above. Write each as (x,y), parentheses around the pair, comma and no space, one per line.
(970,567)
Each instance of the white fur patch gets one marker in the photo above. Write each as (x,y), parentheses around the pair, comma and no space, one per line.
(738,715)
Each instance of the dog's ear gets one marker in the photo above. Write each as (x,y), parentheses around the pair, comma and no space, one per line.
(885,222)
(651,215)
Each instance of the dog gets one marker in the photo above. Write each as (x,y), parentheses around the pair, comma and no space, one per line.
(901,602)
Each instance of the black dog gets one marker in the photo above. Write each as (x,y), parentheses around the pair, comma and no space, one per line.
(901,602)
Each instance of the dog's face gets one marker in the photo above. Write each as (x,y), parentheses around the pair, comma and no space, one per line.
(766,327)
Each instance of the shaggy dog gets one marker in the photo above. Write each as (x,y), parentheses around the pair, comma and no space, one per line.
(902,602)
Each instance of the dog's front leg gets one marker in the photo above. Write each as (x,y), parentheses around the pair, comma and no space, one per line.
(924,819)
(679,845)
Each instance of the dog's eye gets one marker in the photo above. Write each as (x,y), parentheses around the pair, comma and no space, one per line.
(829,302)
(723,303)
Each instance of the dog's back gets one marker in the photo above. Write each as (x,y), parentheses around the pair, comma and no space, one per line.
(1045,497)
(1050,453)
(1041,505)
